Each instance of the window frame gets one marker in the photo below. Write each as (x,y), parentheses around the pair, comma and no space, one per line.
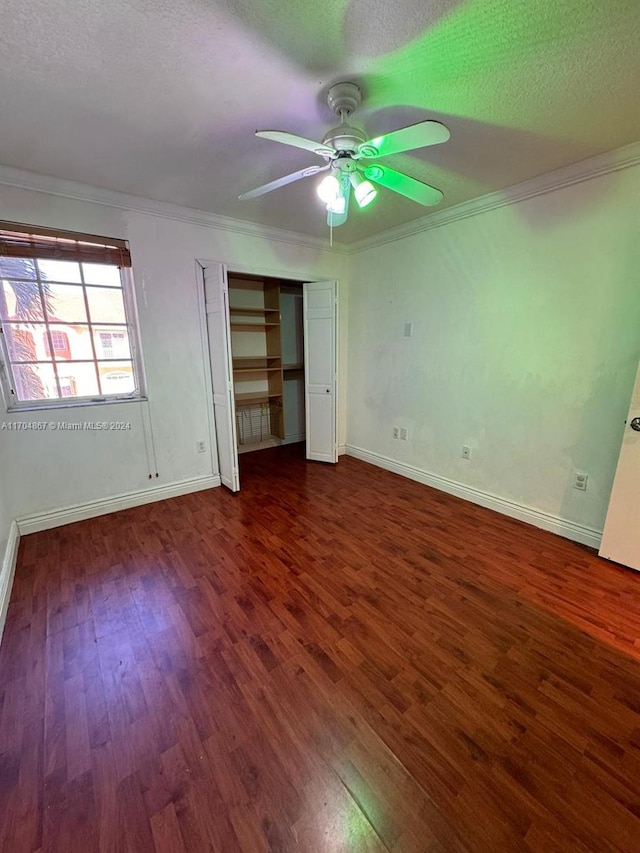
(7,379)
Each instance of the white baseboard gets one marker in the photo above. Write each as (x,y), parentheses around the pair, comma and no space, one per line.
(554,523)
(7,571)
(79,512)
(342,449)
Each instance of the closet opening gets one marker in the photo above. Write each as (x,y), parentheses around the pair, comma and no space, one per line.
(272,347)
(267,351)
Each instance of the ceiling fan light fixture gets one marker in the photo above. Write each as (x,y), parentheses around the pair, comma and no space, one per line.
(365,194)
(328,189)
(364,191)
(337,205)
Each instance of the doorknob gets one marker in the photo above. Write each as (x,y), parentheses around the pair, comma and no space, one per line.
(635,424)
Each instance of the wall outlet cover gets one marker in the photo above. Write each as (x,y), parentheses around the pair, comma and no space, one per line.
(580,481)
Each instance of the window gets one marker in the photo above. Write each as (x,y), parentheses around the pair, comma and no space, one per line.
(60,341)
(67,319)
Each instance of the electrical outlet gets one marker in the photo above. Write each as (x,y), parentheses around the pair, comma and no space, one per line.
(404,433)
(466,451)
(408,330)
(580,481)
(396,432)
(201,446)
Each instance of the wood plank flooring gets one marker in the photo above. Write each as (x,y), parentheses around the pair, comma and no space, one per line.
(336,659)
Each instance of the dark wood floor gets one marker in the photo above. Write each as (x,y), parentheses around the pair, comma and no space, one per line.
(337,659)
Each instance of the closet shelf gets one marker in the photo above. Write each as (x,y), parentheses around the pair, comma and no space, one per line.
(299,366)
(252,327)
(256,370)
(253,312)
(244,358)
(257,362)
(256,397)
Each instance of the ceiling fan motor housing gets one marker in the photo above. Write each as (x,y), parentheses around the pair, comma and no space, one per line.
(345,138)
(343,99)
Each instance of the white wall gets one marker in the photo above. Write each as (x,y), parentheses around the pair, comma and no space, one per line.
(52,469)
(526,341)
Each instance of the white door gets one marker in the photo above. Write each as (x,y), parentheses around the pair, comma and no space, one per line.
(216,296)
(320,306)
(621,537)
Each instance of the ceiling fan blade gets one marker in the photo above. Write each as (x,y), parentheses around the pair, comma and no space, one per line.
(282,182)
(403,184)
(296,141)
(406,139)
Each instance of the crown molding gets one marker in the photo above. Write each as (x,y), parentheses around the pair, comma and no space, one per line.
(25,180)
(602,164)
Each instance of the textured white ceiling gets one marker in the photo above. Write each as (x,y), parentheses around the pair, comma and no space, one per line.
(161,99)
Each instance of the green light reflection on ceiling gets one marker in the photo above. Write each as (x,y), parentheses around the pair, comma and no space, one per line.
(462,65)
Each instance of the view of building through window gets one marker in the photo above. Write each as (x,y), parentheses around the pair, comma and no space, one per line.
(65,330)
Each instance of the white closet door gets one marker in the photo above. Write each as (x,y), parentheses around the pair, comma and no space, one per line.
(621,536)
(320,303)
(218,327)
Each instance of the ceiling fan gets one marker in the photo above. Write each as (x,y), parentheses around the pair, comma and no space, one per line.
(351,159)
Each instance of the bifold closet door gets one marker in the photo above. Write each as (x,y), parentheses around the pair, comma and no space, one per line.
(621,535)
(320,305)
(218,327)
